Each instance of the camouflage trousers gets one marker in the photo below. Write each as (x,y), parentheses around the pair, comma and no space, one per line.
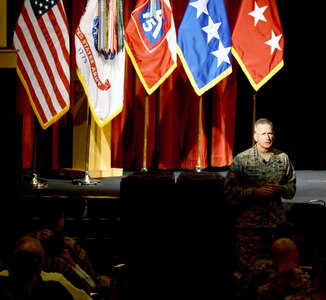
(251,245)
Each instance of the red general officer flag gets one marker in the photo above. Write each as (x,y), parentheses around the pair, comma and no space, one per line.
(150,41)
(257,40)
(42,37)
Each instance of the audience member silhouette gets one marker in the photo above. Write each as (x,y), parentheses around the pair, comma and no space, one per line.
(318,289)
(289,278)
(263,267)
(103,285)
(58,259)
(24,281)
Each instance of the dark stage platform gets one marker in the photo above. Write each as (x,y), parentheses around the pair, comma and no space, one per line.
(311,185)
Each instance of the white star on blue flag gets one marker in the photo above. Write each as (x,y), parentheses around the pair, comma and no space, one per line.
(204,43)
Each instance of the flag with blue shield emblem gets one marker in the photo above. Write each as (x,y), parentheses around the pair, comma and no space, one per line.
(150,41)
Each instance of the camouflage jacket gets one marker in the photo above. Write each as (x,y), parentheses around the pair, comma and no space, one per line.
(248,172)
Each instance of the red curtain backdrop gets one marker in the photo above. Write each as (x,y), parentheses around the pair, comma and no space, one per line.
(173,112)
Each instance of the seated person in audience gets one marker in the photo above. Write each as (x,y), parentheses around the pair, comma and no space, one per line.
(58,259)
(289,277)
(54,276)
(54,219)
(318,289)
(263,267)
(24,279)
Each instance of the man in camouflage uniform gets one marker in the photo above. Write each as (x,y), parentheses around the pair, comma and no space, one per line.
(255,184)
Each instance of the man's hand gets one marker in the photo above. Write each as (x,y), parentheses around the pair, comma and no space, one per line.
(268,190)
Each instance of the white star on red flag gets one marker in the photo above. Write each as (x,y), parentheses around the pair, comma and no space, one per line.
(258,13)
(274,42)
(258,46)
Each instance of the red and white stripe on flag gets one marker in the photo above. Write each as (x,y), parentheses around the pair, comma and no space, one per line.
(258,41)
(41,37)
(151,42)
(101,75)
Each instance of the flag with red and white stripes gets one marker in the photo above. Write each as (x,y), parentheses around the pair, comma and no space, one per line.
(41,37)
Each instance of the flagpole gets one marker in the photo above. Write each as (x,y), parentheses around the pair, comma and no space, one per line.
(87,179)
(35,182)
(253,117)
(144,169)
(198,167)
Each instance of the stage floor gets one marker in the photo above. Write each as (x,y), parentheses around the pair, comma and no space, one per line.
(311,185)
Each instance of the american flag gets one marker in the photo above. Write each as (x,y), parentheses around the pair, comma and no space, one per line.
(42,37)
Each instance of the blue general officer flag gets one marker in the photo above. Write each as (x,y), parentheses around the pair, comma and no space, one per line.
(204,43)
